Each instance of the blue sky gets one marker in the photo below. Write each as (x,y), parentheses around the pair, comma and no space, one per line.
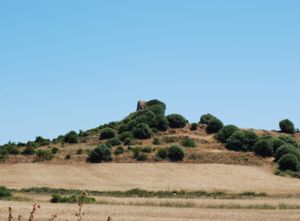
(70,65)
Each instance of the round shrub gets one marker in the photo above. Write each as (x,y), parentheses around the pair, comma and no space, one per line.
(206,118)
(123,136)
(28,151)
(276,143)
(113,142)
(44,155)
(226,132)
(214,126)
(156,141)
(161,123)
(263,148)
(4,192)
(176,153)
(71,137)
(107,133)
(141,157)
(242,141)
(119,150)
(287,126)
(147,149)
(142,131)
(156,102)
(176,121)
(286,149)
(289,162)
(188,142)
(288,139)
(100,154)
(54,150)
(162,153)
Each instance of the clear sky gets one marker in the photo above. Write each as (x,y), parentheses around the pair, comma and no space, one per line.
(69,64)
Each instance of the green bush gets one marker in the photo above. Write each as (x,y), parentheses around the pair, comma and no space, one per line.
(156,141)
(10,148)
(43,155)
(276,143)
(194,126)
(57,198)
(156,102)
(142,131)
(287,126)
(4,192)
(157,109)
(40,141)
(214,126)
(161,123)
(127,134)
(71,137)
(176,153)
(188,142)
(288,139)
(289,162)
(3,154)
(263,148)
(136,151)
(119,150)
(113,142)
(206,119)
(54,150)
(107,133)
(242,141)
(141,157)
(287,149)
(29,150)
(162,153)
(100,154)
(128,141)
(176,121)
(68,157)
(226,132)
(147,149)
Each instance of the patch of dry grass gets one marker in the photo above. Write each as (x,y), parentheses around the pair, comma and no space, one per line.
(148,176)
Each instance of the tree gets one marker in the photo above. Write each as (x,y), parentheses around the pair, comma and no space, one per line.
(176,121)
(206,118)
(226,132)
(289,162)
(71,137)
(176,153)
(287,126)
(214,126)
(263,148)
(142,131)
(107,133)
(100,154)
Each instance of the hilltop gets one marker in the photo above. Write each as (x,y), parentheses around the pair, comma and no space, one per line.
(148,135)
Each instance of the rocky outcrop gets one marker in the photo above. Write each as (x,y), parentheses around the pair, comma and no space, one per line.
(141,105)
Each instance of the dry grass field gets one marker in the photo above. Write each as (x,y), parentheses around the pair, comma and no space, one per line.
(148,213)
(149,176)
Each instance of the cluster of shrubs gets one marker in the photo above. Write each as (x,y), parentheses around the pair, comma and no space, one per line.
(173,153)
(213,124)
(284,148)
(143,123)
(57,198)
